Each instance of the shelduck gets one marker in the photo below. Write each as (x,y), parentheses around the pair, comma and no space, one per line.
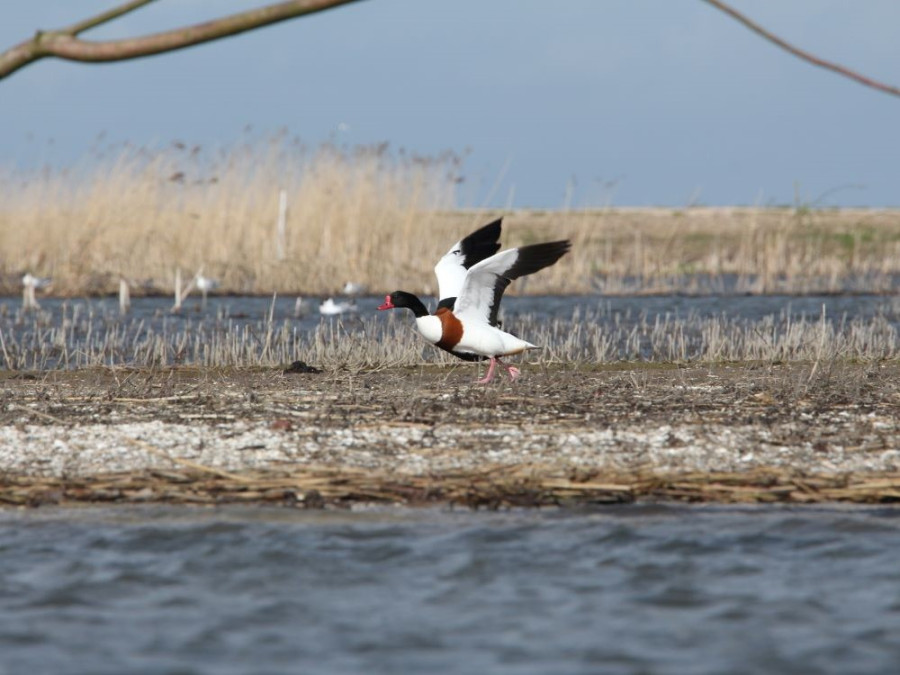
(471,279)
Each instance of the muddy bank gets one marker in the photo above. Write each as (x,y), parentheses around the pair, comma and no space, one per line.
(740,432)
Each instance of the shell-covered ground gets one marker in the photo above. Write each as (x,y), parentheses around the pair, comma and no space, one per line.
(619,432)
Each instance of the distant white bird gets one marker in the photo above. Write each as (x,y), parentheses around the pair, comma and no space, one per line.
(29,280)
(200,282)
(205,285)
(332,308)
(29,284)
(353,288)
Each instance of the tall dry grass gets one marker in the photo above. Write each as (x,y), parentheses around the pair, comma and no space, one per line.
(382,218)
(749,250)
(355,213)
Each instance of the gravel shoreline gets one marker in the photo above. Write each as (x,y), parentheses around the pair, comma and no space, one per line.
(837,422)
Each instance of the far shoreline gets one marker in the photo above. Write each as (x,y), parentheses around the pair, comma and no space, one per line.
(87,250)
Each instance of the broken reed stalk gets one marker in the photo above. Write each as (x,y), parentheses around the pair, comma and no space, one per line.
(124,297)
(29,301)
(159,452)
(176,306)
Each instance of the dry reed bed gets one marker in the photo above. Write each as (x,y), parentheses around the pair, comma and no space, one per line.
(82,339)
(383,217)
(497,487)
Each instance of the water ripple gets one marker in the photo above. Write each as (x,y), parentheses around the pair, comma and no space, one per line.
(620,590)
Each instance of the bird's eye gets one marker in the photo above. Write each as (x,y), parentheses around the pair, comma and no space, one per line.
(457,252)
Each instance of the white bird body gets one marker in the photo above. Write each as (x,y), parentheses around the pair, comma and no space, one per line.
(478,338)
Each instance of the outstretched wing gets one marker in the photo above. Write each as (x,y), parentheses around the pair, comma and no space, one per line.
(451,269)
(485,282)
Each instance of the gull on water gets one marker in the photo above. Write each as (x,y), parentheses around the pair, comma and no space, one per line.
(353,288)
(332,308)
(205,285)
(29,284)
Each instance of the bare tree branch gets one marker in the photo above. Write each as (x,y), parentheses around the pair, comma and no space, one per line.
(65,45)
(799,53)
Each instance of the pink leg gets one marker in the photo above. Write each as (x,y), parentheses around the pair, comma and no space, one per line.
(512,370)
(490,373)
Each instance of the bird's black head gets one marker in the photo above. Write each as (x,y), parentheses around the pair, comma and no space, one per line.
(399,299)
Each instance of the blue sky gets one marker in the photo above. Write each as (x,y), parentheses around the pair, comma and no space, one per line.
(628,102)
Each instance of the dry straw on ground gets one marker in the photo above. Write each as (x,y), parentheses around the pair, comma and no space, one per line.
(382,218)
(496,487)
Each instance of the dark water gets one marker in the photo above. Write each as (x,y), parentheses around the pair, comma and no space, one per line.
(258,308)
(154,312)
(637,589)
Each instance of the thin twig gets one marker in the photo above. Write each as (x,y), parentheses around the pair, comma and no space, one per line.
(39,413)
(105,17)
(159,452)
(799,53)
(158,399)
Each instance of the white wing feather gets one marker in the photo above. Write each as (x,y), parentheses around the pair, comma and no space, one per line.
(450,272)
(476,297)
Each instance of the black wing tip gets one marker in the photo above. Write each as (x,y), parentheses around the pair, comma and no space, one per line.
(486,234)
(548,249)
(535,257)
(494,225)
(482,243)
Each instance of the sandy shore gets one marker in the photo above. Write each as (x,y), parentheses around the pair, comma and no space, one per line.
(723,433)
